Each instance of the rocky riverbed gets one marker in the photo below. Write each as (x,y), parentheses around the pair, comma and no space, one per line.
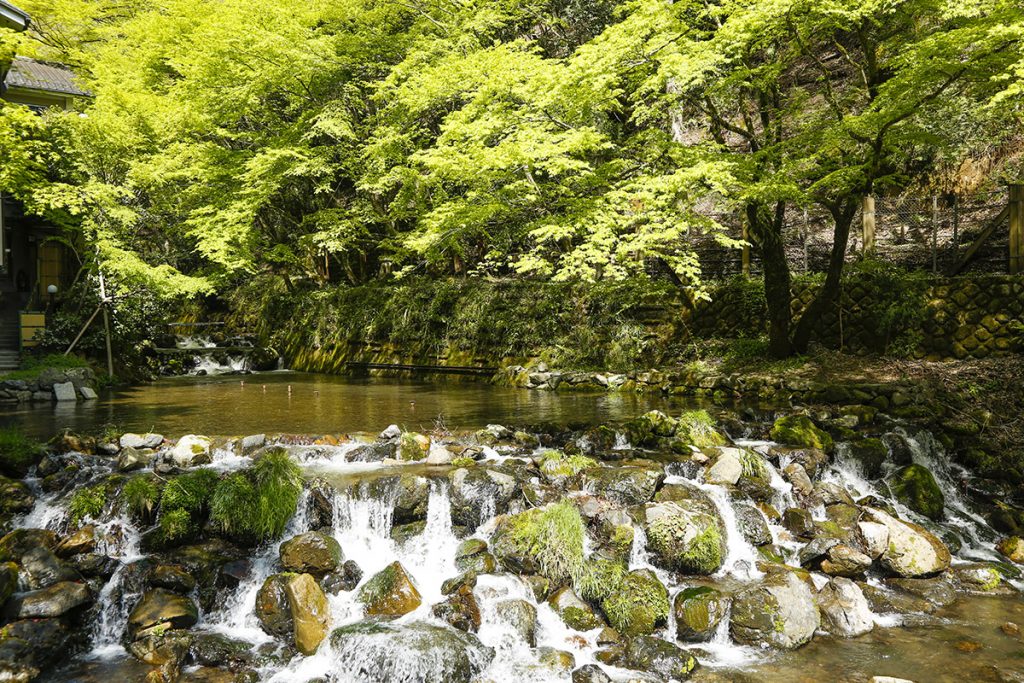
(690,546)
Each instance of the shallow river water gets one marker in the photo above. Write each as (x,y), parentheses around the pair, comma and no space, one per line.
(300,403)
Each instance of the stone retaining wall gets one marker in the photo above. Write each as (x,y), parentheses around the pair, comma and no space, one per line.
(966,317)
(52,384)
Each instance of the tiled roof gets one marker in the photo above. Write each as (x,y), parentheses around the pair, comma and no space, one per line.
(45,76)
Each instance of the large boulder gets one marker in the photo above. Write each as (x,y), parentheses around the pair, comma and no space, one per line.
(191,450)
(313,552)
(844,609)
(684,538)
(311,615)
(409,653)
(389,593)
(698,611)
(779,612)
(800,430)
(623,485)
(667,661)
(29,646)
(131,459)
(52,601)
(1012,548)
(160,607)
(915,487)
(911,549)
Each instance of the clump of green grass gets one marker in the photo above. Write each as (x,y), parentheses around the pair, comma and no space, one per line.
(558,464)
(87,503)
(698,428)
(190,491)
(257,503)
(17,452)
(176,524)
(141,495)
(554,536)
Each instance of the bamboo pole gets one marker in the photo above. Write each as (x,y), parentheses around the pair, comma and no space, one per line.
(868,224)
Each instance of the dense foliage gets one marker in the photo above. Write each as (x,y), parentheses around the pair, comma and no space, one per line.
(350,141)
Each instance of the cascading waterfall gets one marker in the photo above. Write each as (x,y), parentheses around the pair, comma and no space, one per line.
(740,557)
(120,540)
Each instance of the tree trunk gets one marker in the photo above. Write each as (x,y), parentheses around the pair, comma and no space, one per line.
(766,230)
(842,215)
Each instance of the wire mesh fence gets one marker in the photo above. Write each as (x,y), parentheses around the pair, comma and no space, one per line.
(931,233)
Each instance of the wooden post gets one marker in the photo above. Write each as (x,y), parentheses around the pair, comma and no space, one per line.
(1016,229)
(868,222)
(745,255)
(105,302)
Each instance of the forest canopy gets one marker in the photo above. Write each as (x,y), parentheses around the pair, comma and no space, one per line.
(353,140)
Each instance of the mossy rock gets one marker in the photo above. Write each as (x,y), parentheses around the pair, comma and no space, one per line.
(574,612)
(312,552)
(915,487)
(697,428)
(870,455)
(645,430)
(639,605)
(684,538)
(698,611)
(800,430)
(390,593)
(665,660)
(413,446)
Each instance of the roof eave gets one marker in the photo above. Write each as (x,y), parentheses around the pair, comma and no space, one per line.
(13,17)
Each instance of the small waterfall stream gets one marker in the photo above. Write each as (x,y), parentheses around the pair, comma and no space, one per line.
(363,496)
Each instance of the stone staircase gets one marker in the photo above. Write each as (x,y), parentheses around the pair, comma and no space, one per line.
(9,359)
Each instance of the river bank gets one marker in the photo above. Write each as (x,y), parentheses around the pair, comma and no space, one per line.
(646,548)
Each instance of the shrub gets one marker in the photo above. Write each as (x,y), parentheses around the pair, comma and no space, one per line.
(176,524)
(17,453)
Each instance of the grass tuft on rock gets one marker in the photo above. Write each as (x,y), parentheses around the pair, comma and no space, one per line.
(176,524)
(638,605)
(558,464)
(554,535)
(258,502)
(190,491)
(18,453)
(87,503)
(697,428)
(141,495)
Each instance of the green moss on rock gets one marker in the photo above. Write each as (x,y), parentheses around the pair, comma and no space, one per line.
(800,430)
(697,428)
(638,606)
(915,487)
(17,453)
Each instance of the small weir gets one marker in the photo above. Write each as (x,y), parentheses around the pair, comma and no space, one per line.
(436,522)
